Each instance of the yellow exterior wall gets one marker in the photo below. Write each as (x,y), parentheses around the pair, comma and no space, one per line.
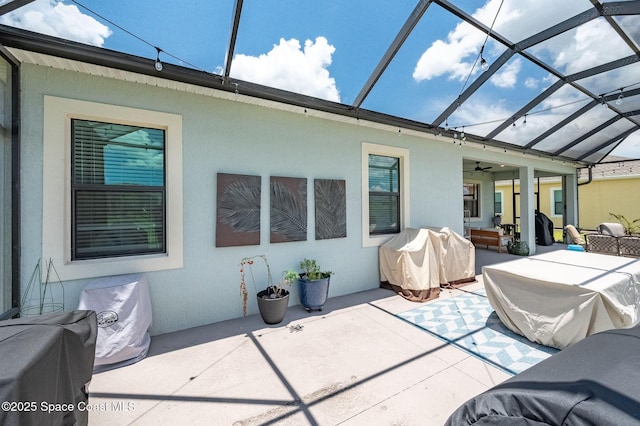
(545,191)
(595,200)
(608,195)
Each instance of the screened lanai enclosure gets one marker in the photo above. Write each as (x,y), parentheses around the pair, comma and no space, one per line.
(551,82)
(559,79)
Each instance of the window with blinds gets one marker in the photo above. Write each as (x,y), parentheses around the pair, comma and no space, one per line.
(118,190)
(558,203)
(471,198)
(384,194)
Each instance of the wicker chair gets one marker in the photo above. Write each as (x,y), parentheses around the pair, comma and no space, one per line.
(601,243)
(629,246)
(611,239)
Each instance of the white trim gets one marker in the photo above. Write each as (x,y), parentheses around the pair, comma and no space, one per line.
(501,192)
(56,197)
(552,201)
(403,155)
(479,197)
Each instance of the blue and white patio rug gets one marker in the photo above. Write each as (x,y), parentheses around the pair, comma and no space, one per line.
(469,322)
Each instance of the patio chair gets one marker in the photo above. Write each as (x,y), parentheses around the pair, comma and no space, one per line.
(629,246)
(607,240)
(574,235)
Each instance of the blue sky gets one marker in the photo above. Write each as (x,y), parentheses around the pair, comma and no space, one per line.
(328,49)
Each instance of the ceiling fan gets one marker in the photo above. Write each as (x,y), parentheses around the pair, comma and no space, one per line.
(480,169)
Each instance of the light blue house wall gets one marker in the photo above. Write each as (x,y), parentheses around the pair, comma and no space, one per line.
(234,137)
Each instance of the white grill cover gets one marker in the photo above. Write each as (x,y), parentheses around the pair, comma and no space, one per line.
(420,259)
(123,309)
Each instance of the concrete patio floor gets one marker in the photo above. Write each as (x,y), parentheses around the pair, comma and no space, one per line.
(354,363)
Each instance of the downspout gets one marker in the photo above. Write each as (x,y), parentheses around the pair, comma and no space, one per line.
(589,178)
(579,184)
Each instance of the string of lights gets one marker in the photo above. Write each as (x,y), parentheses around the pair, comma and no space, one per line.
(158,49)
(543,110)
(480,57)
(483,62)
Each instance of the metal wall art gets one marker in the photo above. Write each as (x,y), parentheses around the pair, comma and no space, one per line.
(331,208)
(238,210)
(288,209)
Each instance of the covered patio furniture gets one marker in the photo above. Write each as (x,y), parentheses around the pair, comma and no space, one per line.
(544,229)
(416,262)
(559,298)
(574,236)
(47,363)
(594,382)
(123,307)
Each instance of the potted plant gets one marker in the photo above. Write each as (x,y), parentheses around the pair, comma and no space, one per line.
(631,227)
(314,285)
(521,248)
(274,299)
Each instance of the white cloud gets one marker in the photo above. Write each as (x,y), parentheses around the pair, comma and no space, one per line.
(584,48)
(57,19)
(455,56)
(289,67)
(479,116)
(448,57)
(516,20)
(531,83)
(507,76)
(630,147)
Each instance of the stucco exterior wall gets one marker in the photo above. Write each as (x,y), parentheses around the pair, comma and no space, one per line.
(596,200)
(233,137)
(609,195)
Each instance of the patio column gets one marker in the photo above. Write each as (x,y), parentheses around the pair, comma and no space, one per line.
(527,208)
(570,191)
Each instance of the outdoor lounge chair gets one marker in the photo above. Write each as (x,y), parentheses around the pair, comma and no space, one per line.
(612,239)
(629,245)
(574,235)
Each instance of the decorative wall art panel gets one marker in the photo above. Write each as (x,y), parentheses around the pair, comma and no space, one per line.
(288,209)
(238,210)
(331,208)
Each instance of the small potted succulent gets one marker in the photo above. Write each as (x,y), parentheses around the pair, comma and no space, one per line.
(314,285)
(274,299)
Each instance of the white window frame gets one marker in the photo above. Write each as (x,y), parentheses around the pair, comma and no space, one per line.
(501,213)
(552,201)
(390,151)
(479,199)
(56,198)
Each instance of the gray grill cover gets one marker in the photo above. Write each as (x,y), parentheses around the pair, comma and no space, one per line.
(46,359)
(594,382)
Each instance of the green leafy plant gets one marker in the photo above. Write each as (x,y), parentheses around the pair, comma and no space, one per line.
(311,270)
(275,291)
(630,226)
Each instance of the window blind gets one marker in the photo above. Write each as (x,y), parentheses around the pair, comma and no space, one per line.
(118,190)
(384,194)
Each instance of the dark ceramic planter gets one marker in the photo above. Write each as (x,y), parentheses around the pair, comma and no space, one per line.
(272,310)
(313,293)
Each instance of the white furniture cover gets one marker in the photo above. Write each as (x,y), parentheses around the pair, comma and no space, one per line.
(561,297)
(419,260)
(123,309)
